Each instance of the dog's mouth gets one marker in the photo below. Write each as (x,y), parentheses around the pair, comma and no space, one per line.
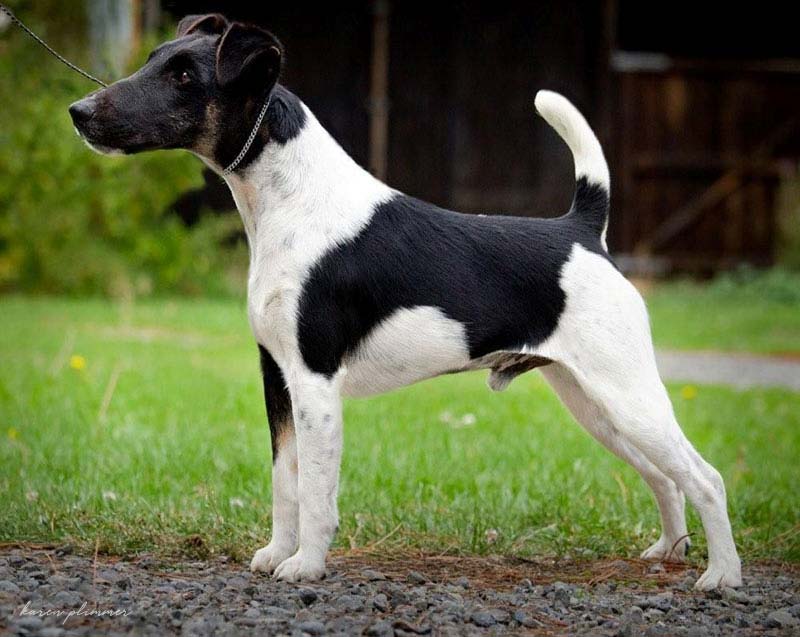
(105,143)
(97,147)
(84,118)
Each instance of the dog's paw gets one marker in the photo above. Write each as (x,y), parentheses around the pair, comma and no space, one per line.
(300,568)
(726,575)
(665,550)
(266,560)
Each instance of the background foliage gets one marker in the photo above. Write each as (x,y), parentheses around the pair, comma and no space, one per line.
(74,222)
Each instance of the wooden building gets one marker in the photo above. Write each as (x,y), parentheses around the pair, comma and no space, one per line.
(698,109)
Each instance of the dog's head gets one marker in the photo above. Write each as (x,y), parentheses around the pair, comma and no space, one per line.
(201,91)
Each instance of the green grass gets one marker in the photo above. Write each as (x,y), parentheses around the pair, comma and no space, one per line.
(183,447)
(758,312)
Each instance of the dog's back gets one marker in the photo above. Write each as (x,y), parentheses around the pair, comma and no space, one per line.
(474,289)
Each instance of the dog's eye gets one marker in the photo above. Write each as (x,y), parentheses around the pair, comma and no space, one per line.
(181,76)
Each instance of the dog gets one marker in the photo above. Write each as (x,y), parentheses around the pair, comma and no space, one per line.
(355,288)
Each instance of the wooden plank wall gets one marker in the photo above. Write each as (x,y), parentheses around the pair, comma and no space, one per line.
(463,129)
(678,131)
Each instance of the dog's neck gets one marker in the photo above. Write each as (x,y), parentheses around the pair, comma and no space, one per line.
(307,185)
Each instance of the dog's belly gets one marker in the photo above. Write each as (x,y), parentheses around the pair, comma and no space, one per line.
(409,346)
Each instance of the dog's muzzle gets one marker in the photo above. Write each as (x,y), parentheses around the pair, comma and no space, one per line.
(83,112)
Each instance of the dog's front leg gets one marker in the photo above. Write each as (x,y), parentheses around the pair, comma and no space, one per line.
(317,408)
(284,468)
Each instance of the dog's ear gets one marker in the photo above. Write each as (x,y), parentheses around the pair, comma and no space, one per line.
(213,24)
(247,52)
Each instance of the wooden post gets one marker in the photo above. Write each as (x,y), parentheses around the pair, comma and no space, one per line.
(151,16)
(379,89)
(136,29)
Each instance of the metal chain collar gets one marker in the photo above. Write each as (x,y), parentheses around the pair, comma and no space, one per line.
(232,166)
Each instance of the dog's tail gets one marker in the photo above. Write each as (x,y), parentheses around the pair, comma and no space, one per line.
(593,185)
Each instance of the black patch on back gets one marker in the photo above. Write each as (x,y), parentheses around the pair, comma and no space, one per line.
(497,275)
(590,204)
(277,398)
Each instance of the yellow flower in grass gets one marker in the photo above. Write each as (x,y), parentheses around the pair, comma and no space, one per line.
(688,392)
(12,433)
(77,362)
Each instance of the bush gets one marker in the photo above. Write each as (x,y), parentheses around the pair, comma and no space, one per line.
(778,284)
(788,216)
(74,222)
(744,285)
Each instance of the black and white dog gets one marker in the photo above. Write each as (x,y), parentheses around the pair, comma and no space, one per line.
(355,288)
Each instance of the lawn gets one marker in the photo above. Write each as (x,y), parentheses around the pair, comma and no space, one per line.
(757,312)
(142,427)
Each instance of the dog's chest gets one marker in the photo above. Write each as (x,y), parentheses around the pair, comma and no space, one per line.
(409,345)
(277,271)
(284,248)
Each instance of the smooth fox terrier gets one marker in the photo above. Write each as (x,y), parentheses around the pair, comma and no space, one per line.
(355,288)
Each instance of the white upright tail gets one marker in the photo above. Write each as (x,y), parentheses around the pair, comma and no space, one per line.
(591,202)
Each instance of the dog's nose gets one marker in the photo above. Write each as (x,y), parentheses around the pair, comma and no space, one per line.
(82,111)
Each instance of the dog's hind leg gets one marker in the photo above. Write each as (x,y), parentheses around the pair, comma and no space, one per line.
(640,413)
(603,339)
(674,542)
(284,469)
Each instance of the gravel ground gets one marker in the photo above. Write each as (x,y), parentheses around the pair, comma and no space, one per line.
(384,596)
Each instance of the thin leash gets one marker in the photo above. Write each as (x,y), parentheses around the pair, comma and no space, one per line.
(225,173)
(52,52)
